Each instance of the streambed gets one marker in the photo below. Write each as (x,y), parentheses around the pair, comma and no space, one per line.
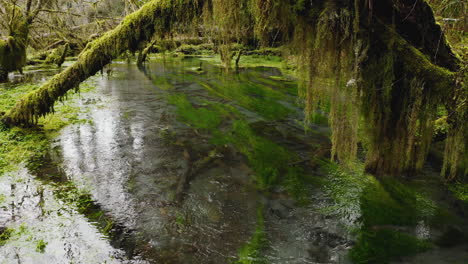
(169,166)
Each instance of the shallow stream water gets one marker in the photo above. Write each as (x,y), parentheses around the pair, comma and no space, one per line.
(130,157)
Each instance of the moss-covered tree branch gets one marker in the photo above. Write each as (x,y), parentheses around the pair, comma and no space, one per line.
(155,16)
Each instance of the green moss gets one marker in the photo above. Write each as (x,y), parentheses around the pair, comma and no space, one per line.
(199,118)
(251,253)
(13,49)
(5,235)
(29,145)
(383,245)
(40,246)
(460,191)
(270,161)
(58,55)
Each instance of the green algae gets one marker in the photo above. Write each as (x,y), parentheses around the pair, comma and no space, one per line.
(251,252)
(383,245)
(250,96)
(271,162)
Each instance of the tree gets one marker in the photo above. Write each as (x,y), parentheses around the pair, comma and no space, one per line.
(389,64)
(16,20)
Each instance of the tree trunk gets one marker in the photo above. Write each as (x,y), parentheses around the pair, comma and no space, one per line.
(138,27)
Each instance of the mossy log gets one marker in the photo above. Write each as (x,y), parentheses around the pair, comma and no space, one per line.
(392,52)
(155,16)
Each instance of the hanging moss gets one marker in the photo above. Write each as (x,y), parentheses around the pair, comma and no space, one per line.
(373,68)
(58,55)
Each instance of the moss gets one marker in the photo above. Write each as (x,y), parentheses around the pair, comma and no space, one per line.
(5,235)
(40,246)
(13,49)
(58,55)
(154,17)
(29,145)
(251,253)
(383,245)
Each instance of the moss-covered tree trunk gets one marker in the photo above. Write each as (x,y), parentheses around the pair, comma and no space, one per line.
(390,54)
(13,48)
(154,17)
(409,72)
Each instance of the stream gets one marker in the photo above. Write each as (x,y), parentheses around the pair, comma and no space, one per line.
(143,181)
